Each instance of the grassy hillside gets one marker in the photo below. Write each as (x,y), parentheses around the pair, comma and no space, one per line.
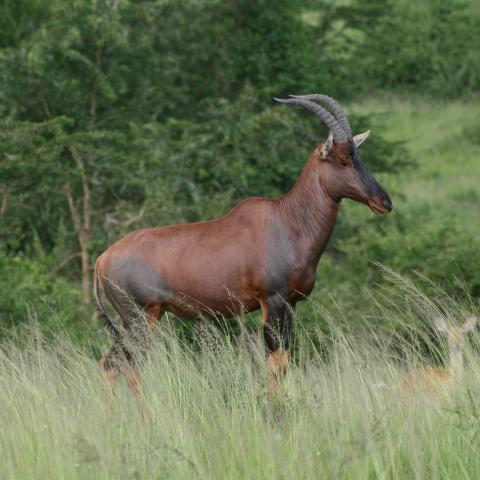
(444,139)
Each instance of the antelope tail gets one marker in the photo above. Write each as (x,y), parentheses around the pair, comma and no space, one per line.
(107,321)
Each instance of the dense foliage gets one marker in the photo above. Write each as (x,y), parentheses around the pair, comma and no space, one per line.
(121,114)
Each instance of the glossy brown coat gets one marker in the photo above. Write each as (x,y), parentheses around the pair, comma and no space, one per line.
(232,263)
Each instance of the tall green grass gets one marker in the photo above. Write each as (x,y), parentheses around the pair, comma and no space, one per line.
(342,414)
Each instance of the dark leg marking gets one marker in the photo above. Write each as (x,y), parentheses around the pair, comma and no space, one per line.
(278,323)
(278,314)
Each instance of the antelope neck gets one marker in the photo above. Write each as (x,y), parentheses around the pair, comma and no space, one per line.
(309,210)
(456,364)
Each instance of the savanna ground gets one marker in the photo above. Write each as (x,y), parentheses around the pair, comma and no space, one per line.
(342,414)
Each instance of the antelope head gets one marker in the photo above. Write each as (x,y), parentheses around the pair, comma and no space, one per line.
(455,336)
(343,172)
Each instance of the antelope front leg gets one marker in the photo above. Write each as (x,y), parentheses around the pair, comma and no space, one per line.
(278,313)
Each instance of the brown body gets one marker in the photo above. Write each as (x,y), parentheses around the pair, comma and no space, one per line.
(262,254)
(233,263)
(427,382)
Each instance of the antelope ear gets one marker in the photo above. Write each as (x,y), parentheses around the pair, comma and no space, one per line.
(469,324)
(441,326)
(327,146)
(360,138)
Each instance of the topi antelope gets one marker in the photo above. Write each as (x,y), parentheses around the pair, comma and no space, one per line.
(261,255)
(436,382)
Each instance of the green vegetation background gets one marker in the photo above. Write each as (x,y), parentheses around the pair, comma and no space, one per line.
(118,115)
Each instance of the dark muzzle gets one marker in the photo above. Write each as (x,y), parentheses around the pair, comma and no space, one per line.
(378,199)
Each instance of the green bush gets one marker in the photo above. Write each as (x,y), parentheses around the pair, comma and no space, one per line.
(429,46)
(31,290)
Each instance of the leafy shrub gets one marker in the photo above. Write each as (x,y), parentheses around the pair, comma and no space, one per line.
(29,290)
(426,46)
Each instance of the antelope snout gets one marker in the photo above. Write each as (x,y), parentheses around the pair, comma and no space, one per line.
(380,205)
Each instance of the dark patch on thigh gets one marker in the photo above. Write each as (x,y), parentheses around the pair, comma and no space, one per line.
(138,281)
(280,258)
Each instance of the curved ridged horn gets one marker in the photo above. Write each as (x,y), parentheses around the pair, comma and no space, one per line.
(337,110)
(330,121)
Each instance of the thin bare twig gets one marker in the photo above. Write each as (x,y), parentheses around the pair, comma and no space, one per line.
(65,261)
(6,196)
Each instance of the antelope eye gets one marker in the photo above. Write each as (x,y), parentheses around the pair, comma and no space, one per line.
(345,161)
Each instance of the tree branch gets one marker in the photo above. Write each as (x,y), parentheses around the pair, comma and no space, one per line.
(46,108)
(85,228)
(6,196)
(135,218)
(81,222)
(65,261)
(93,94)
(73,210)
